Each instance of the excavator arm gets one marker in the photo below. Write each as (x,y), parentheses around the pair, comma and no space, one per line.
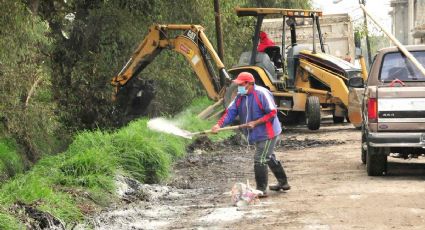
(192,43)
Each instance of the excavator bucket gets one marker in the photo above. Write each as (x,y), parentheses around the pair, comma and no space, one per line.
(134,98)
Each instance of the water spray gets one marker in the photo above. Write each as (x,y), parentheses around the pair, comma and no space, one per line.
(165,126)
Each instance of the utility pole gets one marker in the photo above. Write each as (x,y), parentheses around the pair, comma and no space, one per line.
(369,56)
(218,30)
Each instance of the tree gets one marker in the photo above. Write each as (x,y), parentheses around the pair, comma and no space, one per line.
(26,111)
(299,4)
(92,40)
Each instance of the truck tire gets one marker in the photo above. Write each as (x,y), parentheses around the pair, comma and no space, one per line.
(376,161)
(312,113)
(363,145)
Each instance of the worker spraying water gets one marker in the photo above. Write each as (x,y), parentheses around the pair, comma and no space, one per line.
(256,109)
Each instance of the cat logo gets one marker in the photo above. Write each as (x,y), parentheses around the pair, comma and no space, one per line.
(191,35)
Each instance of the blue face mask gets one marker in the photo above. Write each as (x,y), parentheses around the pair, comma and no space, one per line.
(242,90)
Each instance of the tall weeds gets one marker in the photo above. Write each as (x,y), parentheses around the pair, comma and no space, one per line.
(86,172)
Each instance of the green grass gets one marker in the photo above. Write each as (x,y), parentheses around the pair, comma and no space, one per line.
(10,222)
(10,161)
(86,171)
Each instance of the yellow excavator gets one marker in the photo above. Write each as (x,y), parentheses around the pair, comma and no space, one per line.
(134,93)
(304,81)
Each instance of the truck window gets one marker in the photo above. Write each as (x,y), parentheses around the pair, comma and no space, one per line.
(398,66)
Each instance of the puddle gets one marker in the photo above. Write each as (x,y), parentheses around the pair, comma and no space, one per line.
(316,227)
(223,214)
(355,197)
(416,210)
(138,217)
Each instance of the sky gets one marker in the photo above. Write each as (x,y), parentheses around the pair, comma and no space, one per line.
(379,8)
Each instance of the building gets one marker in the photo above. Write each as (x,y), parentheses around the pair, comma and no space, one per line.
(408,18)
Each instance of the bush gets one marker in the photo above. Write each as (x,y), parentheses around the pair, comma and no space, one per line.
(146,154)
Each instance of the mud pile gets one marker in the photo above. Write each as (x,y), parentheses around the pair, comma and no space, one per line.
(192,197)
(292,142)
(205,144)
(156,207)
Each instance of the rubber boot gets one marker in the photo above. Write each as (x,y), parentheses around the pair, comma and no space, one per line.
(261,178)
(280,175)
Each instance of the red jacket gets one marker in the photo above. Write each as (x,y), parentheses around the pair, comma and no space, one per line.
(264,42)
(257,104)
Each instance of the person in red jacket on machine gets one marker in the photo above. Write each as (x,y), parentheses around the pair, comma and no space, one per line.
(265,42)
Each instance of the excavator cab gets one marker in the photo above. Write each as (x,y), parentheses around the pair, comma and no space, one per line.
(276,53)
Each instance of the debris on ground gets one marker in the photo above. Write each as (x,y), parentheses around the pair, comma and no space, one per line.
(36,219)
(156,207)
(204,143)
(200,143)
(324,183)
(292,142)
(235,140)
(244,195)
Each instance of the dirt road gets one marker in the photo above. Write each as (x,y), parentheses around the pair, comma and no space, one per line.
(330,189)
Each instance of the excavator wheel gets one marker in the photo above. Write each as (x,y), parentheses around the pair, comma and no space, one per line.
(312,113)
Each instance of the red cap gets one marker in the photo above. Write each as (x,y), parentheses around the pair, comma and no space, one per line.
(244,77)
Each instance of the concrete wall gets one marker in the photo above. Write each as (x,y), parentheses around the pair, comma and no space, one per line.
(419,30)
(400,20)
(419,12)
(409,21)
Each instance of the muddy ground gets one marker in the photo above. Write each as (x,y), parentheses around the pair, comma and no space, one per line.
(330,189)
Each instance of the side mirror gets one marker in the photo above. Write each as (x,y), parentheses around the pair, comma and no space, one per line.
(356,82)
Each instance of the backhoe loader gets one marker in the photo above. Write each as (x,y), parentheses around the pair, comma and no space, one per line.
(134,94)
(305,81)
